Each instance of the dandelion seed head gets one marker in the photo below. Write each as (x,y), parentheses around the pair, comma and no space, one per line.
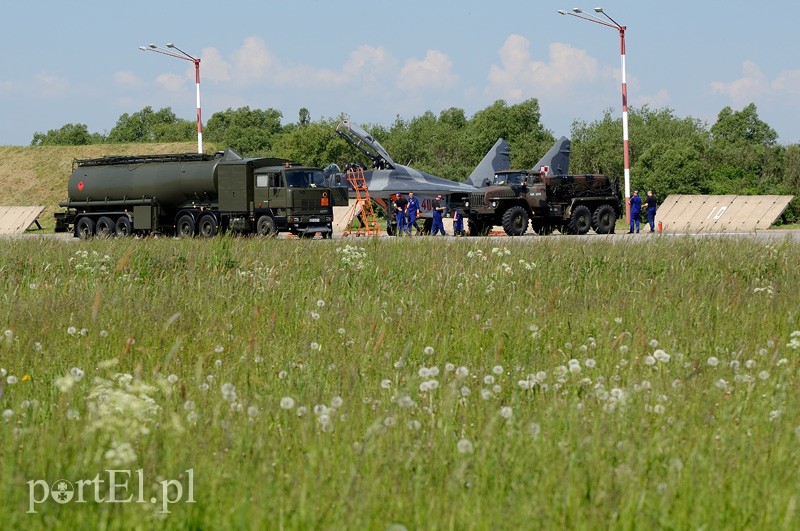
(506,412)
(712,361)
(428,351)
(462,372)
(287,402)
(497,369)
(590,363)
(386,384)
(649,361)
(465,446)
(337,402)
(315,316)
(11,380)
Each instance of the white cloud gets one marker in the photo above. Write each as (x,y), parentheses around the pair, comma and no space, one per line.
(213,67)
(435,71)
(170,82)
(788,82)
(128,79)
(253,62)
(660,99)
(750,86)
(51,85)
(521,76)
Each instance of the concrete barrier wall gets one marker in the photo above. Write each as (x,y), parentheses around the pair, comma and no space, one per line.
(720,213)
(17,219)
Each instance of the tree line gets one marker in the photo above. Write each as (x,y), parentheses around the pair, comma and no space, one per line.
(738,154)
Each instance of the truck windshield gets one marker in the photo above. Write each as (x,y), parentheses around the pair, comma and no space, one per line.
(304,178)
(509,178)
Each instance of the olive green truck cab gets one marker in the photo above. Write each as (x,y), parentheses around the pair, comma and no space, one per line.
(196,194)
(571,204)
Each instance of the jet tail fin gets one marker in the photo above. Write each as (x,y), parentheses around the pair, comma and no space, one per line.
(556,160)
(498,158)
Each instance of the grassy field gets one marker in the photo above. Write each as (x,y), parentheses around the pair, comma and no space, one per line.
(391,384)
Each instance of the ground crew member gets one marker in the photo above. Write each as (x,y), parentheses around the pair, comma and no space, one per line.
(438,213)
(636,210)
(401,205)
(458,223)
(651,210)
(412,212)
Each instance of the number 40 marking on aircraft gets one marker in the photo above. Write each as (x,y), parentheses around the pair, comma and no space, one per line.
(719,213)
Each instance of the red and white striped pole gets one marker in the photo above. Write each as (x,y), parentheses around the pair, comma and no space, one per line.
(199,114)
(625,147)
(579,13)
(196,61)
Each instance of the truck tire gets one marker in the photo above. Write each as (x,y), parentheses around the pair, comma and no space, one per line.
(104,227)
(515,221)
(123,227)
(581,220)
(265,226)
(207,227)
(604,219)
(84,228)
(185,226)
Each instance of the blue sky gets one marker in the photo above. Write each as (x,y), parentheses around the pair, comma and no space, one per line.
(79,62)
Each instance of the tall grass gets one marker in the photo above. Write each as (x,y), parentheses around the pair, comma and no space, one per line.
(374,384)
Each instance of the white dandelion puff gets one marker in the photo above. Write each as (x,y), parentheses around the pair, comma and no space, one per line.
(465,446)
(287,402)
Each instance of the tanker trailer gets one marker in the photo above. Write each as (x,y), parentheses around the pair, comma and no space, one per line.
(195,194)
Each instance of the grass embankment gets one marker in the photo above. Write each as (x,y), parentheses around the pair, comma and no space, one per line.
(361,384)
(38,175)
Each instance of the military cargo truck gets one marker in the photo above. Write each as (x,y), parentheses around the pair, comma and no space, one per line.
(196,194)
(571,204)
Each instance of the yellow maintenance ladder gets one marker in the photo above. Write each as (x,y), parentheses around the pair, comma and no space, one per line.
(362,208)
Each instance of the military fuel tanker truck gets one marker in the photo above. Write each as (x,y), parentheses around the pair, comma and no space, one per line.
(195,194)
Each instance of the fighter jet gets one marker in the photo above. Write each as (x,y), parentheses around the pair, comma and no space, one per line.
(387,178)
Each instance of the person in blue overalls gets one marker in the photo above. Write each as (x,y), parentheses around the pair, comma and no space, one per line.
(458,223)
(650,200)
(438,212)
(412,212)
(400,206)
(636,211)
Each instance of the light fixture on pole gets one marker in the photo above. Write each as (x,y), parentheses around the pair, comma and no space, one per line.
(611,23)
(186,57)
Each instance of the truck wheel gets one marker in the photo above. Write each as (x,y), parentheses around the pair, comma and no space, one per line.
(84,229)
(123,227)
(515,221)
(604,219)
(581,220)
(265,226)
(185,226)
(104,227)
(207,227)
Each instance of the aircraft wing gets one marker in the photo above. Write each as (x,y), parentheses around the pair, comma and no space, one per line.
(365,143)
(496,159)
(404,179)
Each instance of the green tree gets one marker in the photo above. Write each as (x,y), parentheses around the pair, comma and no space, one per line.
(315,144)
(67,135)
(668,154)
(151,126)
(248,131)
(745,155)
(519,124)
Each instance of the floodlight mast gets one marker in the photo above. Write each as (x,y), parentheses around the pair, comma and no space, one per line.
(186,57)
(611,23)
